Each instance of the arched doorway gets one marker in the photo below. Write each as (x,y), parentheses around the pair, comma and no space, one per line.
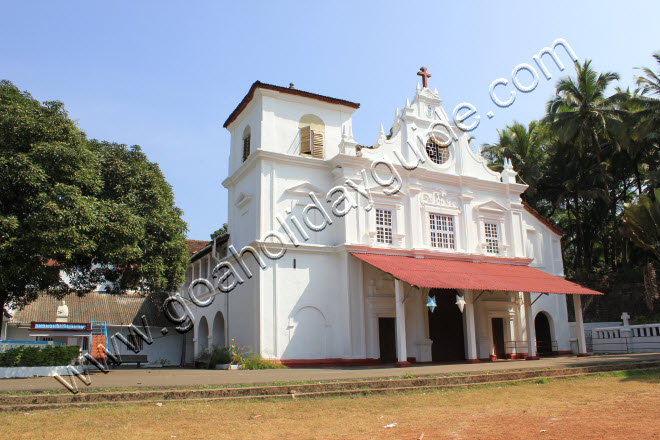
(446,328)
(543,334)
(202,335)
(219,330)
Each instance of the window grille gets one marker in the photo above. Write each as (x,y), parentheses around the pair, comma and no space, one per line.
(492,238)
(437,151)
(384,226)
(442,231)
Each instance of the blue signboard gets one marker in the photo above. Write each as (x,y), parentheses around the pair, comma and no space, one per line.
(59,326)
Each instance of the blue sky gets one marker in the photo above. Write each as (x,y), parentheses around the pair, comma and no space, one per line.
(166,75)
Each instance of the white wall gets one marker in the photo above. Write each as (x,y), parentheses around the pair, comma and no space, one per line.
(323,308)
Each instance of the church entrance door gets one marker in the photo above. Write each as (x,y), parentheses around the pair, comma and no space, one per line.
(446,328)
(387,339)
(498,338)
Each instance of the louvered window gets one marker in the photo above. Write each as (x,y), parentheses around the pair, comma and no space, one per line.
(442,231)
(311,142)
(492,238)
(246,147)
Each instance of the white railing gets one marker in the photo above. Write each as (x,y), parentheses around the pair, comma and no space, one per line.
(627,339)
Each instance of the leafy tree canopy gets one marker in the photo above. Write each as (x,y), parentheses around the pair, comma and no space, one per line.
(96,211)
(594,153)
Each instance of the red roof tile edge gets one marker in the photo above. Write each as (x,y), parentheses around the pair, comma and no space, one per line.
(542,219)
(258,84)
(432,273)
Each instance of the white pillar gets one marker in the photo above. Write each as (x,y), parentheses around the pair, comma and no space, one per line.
(471,333)
(402,355)
(579,326)
(529,324)
(511,351)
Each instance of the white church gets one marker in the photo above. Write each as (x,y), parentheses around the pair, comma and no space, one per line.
(409,250)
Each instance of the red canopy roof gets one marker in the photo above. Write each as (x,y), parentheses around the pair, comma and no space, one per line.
(451,274)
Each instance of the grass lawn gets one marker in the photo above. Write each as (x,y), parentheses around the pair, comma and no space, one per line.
(617,405)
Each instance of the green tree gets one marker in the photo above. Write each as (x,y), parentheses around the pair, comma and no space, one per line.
(93,211)
(525,146)
(641,224)
(583,115)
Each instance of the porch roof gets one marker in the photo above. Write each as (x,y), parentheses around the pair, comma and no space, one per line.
(451,274)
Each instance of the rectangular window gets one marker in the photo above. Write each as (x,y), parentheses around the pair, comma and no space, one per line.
(384,226)
(492,239)
(442,231)
(246,147)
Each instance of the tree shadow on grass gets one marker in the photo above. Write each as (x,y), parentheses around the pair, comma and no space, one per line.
(649,376)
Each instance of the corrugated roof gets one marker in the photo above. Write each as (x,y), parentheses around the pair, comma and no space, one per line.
(113,309)
(451,274)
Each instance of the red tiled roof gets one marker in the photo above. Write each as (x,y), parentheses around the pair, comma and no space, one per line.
(195,246)
(259,85)
(542,219)
(450,274)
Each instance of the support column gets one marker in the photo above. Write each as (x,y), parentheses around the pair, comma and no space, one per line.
(401,352)
(471,332)
(529,324)
(579,326)
(511,352)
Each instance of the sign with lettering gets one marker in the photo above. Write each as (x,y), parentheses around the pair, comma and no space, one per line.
(64,326)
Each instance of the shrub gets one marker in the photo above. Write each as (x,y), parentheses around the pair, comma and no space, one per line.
(256,362)
(48,356)
(219,356)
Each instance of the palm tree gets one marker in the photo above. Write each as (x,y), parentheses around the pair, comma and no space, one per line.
(582,114)
(525,146)
(647,128)
(650,83)
(641,224)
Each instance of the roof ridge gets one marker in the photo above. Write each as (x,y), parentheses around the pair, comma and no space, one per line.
(259,85)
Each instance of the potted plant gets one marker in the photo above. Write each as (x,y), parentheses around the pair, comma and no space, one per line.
(220,358)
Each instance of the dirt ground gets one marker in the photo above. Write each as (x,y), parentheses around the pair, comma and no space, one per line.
(603,407)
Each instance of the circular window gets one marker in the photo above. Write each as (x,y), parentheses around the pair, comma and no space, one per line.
(437,151)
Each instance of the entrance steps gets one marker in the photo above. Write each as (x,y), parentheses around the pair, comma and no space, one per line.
(308,389)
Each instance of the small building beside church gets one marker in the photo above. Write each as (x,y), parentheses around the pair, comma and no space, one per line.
(407,250)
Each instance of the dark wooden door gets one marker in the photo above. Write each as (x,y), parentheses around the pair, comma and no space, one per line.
(387,339)
(446,328)
(543,334)
(498,337)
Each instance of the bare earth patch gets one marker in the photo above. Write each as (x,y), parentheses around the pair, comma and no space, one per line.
(586,408)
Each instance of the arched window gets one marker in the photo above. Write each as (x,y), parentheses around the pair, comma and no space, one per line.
(437,150)
(246,143)
(312,130)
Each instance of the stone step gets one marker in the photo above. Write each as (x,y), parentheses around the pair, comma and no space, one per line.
(45,401)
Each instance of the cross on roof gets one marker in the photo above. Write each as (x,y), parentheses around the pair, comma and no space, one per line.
(425,76)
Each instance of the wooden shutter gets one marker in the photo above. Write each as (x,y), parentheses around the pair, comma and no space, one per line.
(311,142)
(317,145)
(306,140)
(246,148)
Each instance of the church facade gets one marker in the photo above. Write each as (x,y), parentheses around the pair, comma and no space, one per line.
(407,250)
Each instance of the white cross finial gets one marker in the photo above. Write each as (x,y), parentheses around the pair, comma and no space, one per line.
(626,319)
